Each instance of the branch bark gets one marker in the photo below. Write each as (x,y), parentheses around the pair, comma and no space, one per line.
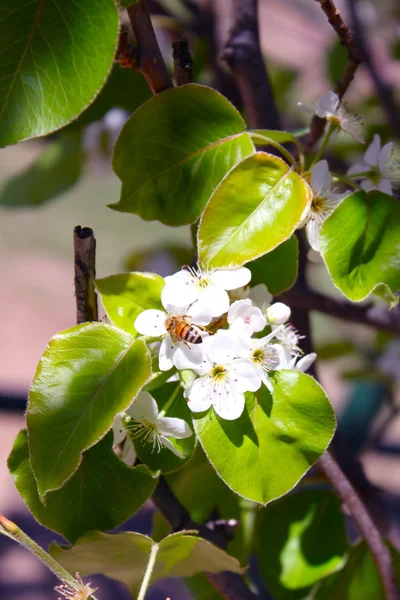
(149,60)
(243,54)
(85,274)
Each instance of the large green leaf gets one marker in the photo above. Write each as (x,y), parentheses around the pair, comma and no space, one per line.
(101,494)
(264,453)
(309,542)
(56,169)
(86,375)
(125,296)
(55,57)
(277,269)
(174,150)
(257,207)
(124,557)
(360,243)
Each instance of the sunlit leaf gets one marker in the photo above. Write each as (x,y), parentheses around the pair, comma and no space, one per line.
(124,557)
(360,243)
(264,453)
(278,268)
(174,151)
(55,59)
(257,207)
(86,375)
(109,492)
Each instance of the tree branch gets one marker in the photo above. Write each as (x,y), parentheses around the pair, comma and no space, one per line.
(243,54)
(303,298)
(149,60)
(183,62)
(85,274)
(347,39)
(380,552)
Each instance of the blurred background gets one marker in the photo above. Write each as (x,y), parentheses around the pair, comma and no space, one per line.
(48,186)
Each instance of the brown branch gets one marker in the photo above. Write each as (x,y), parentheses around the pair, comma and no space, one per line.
(243,54)
(149,60)
(183,62)
(303,298)
(85,274)
(380,552)
(347,39)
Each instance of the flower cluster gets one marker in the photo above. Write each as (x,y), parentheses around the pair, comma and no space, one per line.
(228,347)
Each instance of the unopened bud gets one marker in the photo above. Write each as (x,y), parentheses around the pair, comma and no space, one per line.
(8,525)
(278,313)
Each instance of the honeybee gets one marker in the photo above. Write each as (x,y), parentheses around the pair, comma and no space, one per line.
(180,328)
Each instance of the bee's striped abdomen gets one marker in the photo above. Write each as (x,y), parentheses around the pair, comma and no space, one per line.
(188,333)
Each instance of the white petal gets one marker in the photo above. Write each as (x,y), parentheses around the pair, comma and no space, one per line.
(266,381)
(236,309)
(119,430)
(212,300)
(129,453)
(151,322)
(179,291)
(200,311)
(313,228)
(358,168)
(144,407)
(371,156)
(278,313)
(199,395)
(367,185)
(167,352)
(327,104)
(321,178)
(384,155)
(230,279)
(352,130)
(222,347)
(306,362)
(228,404)
(260,296)
(244,376)
(173,427)
(251,316)
(385,186)
(304,107)
(192,357)
(169,445)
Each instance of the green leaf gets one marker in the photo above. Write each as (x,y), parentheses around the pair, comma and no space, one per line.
(201,588)
(102,493)
(275,441)
(174,151)
(86,375)
(360,243)
(56,169)
(170,398)
(282,137)
(125,296)
(257,207)
(55,59)
(124,557)
(278,268)
(309,542)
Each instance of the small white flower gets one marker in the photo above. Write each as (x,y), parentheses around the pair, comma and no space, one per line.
(323,203)
(278,313)
(77,591)
(330,107)
(379,168)
(208,288)
(267,357)
(142,420)
(244,312)
(224,378)
(289,337)
(300,364)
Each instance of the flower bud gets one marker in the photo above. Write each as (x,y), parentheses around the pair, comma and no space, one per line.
(277,313)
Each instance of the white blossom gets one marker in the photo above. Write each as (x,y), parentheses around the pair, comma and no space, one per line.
(278,313)
(75,591)
(379,169)
(289,337)
(266,357)
(207,288)
(243,311)
(223,376)
(323,203)
(330,107)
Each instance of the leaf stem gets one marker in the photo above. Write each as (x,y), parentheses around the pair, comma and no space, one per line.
(148,572)
(170,401)
(291,160)
(324,143)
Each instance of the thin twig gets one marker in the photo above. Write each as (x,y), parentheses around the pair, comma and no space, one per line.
(85,274)
(243,54)
(304,298)
(183,62)
(384,91)
(355,57)
(380,552)
(149,60)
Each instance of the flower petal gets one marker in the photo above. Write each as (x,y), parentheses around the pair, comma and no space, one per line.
(313,228)
(200,311)
(367,185)
(358,168)
(321,179)
(327,104)
(384,156)
(151,322)
(166,355)
(144,407)
(119,430)
(260,296)
(385,186)
(230,279)
(371,156)
(223,347)
(199,395)
(179,291)
(278,313)
(244,376)
(266,381)
(213,301)
(129,453)
(169,445)
(306,362)
(228,404)
(192,357)
(251,316)
(173,427)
